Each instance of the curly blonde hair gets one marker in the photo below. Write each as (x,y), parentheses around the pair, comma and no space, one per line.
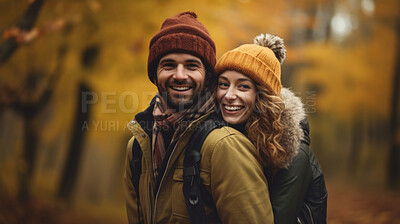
(264,129)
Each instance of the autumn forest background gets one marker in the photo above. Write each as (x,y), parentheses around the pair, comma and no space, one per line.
(73,73)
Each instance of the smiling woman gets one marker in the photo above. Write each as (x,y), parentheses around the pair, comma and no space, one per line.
(236,94)
(251,99)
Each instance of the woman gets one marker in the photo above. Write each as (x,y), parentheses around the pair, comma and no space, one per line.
(251,99)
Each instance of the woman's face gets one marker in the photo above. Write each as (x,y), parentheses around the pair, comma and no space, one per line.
(236,95)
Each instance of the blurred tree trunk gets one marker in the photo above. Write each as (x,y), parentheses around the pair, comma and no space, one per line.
(82,117)
(26,24)
(394,154)
(318,29)
(71,167)
(321,24)
(29,111)
(28,158)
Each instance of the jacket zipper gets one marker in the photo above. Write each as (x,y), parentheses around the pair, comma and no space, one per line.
(309,210)
(162,179)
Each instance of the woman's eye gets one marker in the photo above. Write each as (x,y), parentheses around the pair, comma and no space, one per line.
(223,85)
(244,86)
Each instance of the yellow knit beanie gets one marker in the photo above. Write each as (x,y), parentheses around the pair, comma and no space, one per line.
(260,61)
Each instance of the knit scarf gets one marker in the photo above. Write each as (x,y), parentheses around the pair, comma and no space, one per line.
(169,120)
(165,120)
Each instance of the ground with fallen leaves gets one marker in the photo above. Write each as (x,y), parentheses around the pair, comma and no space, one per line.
(346,204)
(355,204)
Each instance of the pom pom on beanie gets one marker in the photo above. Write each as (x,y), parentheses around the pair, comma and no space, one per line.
(274,43)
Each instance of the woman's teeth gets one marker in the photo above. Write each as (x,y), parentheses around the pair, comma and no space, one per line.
(233,108)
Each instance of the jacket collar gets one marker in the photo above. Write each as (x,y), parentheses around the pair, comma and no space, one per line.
(292,118)
(145,118)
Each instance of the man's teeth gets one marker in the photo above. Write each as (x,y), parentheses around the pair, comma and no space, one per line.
(233,107)
(180,88)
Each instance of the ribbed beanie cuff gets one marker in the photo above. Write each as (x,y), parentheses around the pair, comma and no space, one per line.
(245,59)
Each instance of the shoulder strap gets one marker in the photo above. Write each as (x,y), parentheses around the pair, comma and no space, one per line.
(191,171)
(136,170)
(136,164)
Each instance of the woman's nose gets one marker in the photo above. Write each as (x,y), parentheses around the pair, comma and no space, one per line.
(231,94)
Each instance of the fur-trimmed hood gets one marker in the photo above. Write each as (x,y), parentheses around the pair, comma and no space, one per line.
(291,118)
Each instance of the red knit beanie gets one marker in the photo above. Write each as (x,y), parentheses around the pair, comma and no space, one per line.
(181,33)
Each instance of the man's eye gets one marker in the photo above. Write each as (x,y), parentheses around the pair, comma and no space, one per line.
(192,66)
(168,65)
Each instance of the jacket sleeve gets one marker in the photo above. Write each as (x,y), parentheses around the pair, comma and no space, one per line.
(130,193)
(239,187)
(289,187)
(315,204)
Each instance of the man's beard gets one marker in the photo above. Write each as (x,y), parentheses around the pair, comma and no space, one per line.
(179,105)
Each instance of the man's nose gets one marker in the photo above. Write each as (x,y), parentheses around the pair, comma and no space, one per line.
(180,73)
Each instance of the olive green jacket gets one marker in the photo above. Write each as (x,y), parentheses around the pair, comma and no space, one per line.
(229,170)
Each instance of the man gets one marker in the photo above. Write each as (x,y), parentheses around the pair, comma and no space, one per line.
(180,64)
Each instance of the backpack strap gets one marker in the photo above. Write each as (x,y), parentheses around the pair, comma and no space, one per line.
(136,164)
(136,169)
(192,186)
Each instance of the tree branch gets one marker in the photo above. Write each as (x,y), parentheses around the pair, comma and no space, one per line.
(28,20)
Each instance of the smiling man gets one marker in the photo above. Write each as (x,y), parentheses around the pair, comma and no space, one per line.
(181,64)
(180,76)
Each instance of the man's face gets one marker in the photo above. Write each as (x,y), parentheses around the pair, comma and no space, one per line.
(180,79)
